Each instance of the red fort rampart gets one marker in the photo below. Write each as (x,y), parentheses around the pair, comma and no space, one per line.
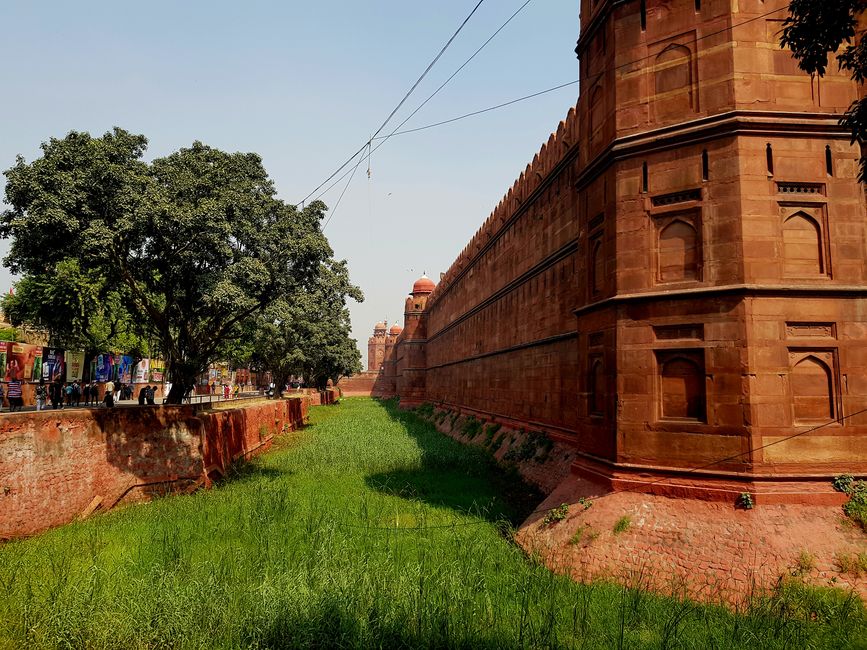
(679,274)
(675,285)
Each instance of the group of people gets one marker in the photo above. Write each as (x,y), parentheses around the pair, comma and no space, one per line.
(60,394)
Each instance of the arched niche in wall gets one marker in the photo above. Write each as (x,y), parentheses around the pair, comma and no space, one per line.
(812,383)
(802,246)
(673,83)
(597,267)
(596,388)
(597,113)
(682,385)
(679,250)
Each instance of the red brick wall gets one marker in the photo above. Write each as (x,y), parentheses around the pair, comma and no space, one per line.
(53,465)
(654,231)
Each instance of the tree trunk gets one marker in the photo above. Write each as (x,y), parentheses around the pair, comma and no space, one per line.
(183,379)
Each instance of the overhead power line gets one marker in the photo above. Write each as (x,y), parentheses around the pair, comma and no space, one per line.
(402,101)
(383,140)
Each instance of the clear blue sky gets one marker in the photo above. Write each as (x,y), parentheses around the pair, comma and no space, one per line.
(304,84)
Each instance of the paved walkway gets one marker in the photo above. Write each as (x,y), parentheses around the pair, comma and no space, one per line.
(133,403)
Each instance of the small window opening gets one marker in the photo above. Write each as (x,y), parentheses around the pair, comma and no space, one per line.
(705,166)
(829,161)
(645,178)
(698,5)
(643,15)
(769,157)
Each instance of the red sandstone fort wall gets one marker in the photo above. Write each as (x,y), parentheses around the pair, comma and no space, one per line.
(56,466)
(678,278)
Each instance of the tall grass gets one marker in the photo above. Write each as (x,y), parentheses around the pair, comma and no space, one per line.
(368,529)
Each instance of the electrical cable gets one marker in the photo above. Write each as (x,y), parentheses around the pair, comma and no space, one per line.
(402,101)
(526,97)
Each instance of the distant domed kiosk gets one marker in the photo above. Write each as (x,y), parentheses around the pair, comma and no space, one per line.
(423,285)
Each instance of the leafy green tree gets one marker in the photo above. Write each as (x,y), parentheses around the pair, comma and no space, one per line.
(816,28)
(195,243)
(77,310)
(309,335)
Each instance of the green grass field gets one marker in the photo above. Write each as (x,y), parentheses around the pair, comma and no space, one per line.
(368,529)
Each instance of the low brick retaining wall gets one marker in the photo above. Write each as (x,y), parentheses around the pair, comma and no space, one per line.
(56,466)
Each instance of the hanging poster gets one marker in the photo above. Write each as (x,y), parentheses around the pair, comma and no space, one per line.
(22,360)
(74,366)
(142,372)
(158,370)
(102,367)
(53,364)
(123,368)
(4,348)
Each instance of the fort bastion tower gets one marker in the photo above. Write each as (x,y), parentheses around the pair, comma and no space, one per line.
(722,238)
(676,284)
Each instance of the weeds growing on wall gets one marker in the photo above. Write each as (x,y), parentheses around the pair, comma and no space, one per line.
(856,507)
(369,529)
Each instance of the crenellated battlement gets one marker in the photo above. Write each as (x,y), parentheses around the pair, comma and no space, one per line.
(544,162)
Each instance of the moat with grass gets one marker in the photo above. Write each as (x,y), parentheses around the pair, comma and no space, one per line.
(367,529)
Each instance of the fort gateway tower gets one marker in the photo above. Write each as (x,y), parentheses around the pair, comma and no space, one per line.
(677,280)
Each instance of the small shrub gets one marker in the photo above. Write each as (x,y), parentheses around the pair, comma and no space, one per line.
(498,442)
(805,563)
(622,524)
(490,432)
(471,427)
(852,564)
(856,507)
(556,515)
(745,501)
(843,483)
(585,502)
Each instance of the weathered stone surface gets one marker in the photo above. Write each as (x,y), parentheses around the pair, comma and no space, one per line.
(677,280)
(54,465)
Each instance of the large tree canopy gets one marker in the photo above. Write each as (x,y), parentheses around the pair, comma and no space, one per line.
(309,335)
(192,245)
(813,31)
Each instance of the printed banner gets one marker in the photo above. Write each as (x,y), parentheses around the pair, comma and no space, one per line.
(74,366)
(103,366)
(23,362)
(123,368)
(53,364)
(142,372)
(158,370)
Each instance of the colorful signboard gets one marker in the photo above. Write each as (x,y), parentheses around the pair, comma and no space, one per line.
(102,367)
(158,370)
(53,364)
(23,362)
(141,375)
(123,368)
(74,366)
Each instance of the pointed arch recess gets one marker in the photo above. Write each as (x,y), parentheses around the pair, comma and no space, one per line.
(682,388)
(812,390)
(678,252)
(802,246)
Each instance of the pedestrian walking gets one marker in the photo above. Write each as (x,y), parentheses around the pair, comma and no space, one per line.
(41,395)
(143,395)
(109,394)
(55,394)
(15,399)
(67,391)
(76,393)
(152,391)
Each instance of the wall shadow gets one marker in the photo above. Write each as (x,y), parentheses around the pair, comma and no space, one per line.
(456,476)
